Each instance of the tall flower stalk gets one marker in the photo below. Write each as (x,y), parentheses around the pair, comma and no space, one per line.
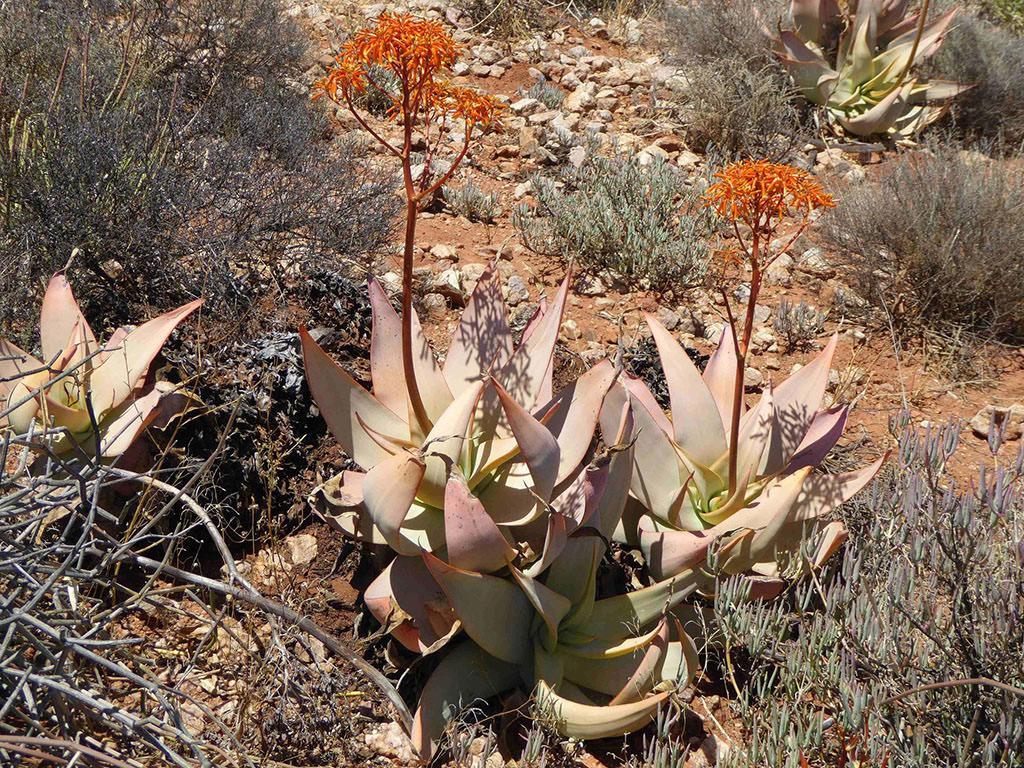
(417,52)
(760,196)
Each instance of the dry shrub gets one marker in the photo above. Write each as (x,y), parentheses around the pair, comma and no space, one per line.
(978,51)
(170,144)
(937,242)
(732,111)
(703,31)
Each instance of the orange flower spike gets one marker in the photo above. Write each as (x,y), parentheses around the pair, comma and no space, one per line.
(759,193)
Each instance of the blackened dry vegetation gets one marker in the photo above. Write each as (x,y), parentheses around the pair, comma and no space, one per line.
(927,593)
(936,241)
(170,146)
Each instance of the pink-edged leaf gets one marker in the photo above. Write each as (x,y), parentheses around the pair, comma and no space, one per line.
(125,366)
(823,493)
(387,370)
(464,677)
(645,676)
(574,420)
(588,721)
(755,529)
(551,606)
(831,538)
(478,600)
(15,364)
(796,402)
(720,377)
(696,422)
(537,445)
(389,489)
(21,409)
(657,475)
(642,394)
(881,117)
(120,432)
(406,586)
(821,437)
(60,318)
(340,398)
(527,373)
(474,542)
(671,552)
(554,542)
(482,341)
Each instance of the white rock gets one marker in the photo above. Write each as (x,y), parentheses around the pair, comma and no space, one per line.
(301,548)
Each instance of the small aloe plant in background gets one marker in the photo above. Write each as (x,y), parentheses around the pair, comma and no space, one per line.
(855,59)
(715,472)
(84,395)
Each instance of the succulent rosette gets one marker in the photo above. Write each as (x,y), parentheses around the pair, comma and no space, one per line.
(682,499)
(84,395)
(496,455)
(597,667)
(854,58)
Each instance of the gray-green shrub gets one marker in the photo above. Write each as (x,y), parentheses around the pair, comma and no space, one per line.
(642,222)
(928,592)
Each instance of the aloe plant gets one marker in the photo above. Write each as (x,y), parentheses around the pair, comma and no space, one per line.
(597,668)
(97,398)
(497,457)
(855,59)
(683,498)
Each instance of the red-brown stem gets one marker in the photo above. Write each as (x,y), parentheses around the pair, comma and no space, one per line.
(419,412)
(742,345)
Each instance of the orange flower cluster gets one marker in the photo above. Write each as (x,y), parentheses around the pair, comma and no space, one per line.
(415,51)
(759,193)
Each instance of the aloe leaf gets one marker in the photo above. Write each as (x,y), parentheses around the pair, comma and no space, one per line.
(474,542)
(696,423)
(340,399)
(482,342)
(586,721)
(465,676)
(795,403)
(388,492)
(478,601)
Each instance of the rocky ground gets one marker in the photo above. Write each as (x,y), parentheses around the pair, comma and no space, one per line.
(608,73)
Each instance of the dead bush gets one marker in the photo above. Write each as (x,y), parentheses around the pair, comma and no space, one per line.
(703,31)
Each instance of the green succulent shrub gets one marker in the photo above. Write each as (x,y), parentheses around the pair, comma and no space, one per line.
(927,593)
(856,58)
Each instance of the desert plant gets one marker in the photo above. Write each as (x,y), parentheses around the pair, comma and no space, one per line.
(495,457)
(707,31)
(83,395)
(1010,12)
(934,242)
(416,52)
(560,643)
(717,474)
(472,202)
(798,324)
(621,216)
(908,652)
(735,111)
(992,58)
(174,152)
(855,59)
(548,94)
